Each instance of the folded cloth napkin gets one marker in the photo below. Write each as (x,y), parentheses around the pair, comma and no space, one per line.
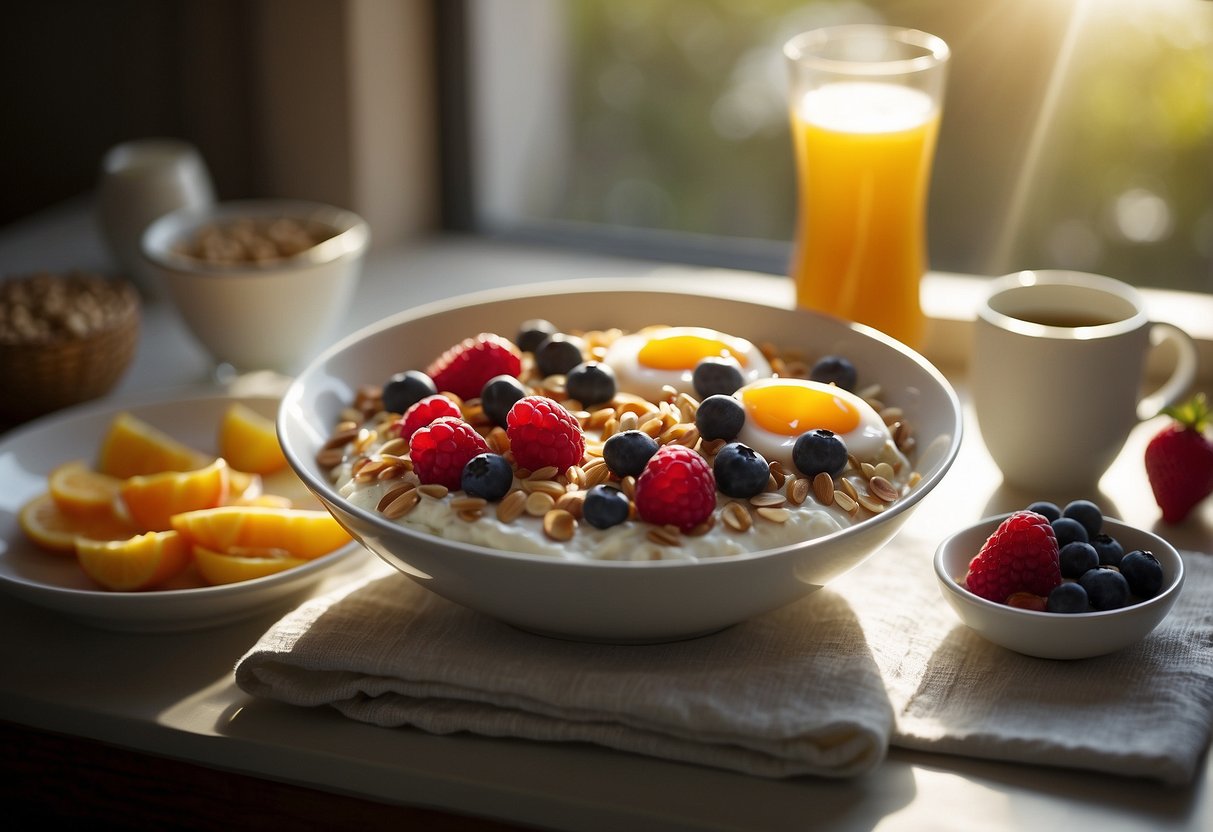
(792,692)
(1145,711)
(819,687)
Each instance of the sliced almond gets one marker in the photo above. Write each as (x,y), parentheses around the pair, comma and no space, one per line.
(737,517)
(511,506)
(559,525)
(823,488)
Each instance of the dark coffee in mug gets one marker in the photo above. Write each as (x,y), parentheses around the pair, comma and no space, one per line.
(1064,318)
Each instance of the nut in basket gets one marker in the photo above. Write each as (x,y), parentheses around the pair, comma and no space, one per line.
(64,339)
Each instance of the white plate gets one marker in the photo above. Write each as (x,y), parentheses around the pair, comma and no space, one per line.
(56,582)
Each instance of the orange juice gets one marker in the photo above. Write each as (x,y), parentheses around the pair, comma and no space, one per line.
(864,152)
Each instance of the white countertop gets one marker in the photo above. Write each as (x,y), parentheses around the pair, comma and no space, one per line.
(173,694)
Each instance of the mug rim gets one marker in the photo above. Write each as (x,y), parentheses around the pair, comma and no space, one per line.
(1063,277)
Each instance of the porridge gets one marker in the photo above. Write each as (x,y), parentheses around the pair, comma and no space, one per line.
(659,444)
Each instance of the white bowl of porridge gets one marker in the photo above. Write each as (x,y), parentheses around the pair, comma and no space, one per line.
(614,487)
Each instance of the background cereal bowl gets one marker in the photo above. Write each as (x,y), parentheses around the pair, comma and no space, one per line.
(614,601)
(268,314)
(1053,635)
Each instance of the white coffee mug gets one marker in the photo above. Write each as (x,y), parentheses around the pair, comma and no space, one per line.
(1057,374)
(143,180)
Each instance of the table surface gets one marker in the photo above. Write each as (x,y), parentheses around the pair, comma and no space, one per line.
(173,695)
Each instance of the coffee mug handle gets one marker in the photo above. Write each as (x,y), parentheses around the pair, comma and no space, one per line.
(1181,377)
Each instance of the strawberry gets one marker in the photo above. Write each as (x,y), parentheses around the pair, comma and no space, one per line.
(1021,556)
(1179,460)
(465,367)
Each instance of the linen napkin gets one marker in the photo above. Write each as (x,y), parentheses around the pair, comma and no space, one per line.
(1145,711)
(820,687)
(793,692)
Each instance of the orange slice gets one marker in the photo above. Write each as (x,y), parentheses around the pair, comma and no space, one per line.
(242,564)
(132,447)
(50,528)
(140,562)
(249,441)
(79,490)
(242,485)
(263,500)
(304,533)
(152,500)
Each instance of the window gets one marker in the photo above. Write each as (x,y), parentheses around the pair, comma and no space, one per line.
(1076,133)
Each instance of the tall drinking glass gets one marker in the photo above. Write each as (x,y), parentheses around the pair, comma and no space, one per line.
(864,102)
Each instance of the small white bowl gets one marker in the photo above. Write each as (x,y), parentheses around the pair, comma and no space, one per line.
(260,316)
(1055,635)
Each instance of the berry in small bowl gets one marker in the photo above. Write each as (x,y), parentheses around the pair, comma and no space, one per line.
(1056,607)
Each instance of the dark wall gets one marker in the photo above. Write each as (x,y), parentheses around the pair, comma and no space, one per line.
(83,75)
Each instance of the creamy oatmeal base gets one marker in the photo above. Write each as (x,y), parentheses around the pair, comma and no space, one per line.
(541,515)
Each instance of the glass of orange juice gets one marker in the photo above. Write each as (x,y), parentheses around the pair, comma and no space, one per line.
(864,102)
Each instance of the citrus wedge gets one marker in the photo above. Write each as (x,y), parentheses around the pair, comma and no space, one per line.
(132,447)
(50,528)
(241,564)
(80,491)
(152,500)
(263,500)
(241,484)
(140,562)
(249,441)
(304,533)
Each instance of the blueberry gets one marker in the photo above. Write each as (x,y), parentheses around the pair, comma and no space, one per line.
(488,476)
(1068,530)
(740,470)
(1050,511)
(558,353)
(1106,589)
(817,451)
(627,452)
(1076,558)
(404,390)
(1143,573)
(591,382)
(1068,598)
(1087,513)
(604,507)
(719,417)
(1109,549)
(715,375)
(532,333)
(834,369)
(498,395)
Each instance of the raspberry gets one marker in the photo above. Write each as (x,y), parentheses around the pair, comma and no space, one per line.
(441,449)
(423,413)
(465,367)
(1021,556)
(543,433)
(676,488)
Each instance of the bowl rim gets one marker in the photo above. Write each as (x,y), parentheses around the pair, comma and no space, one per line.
(294,393)
(352,235)
(991,522)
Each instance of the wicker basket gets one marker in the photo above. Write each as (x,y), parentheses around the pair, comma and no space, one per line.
(44,375)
